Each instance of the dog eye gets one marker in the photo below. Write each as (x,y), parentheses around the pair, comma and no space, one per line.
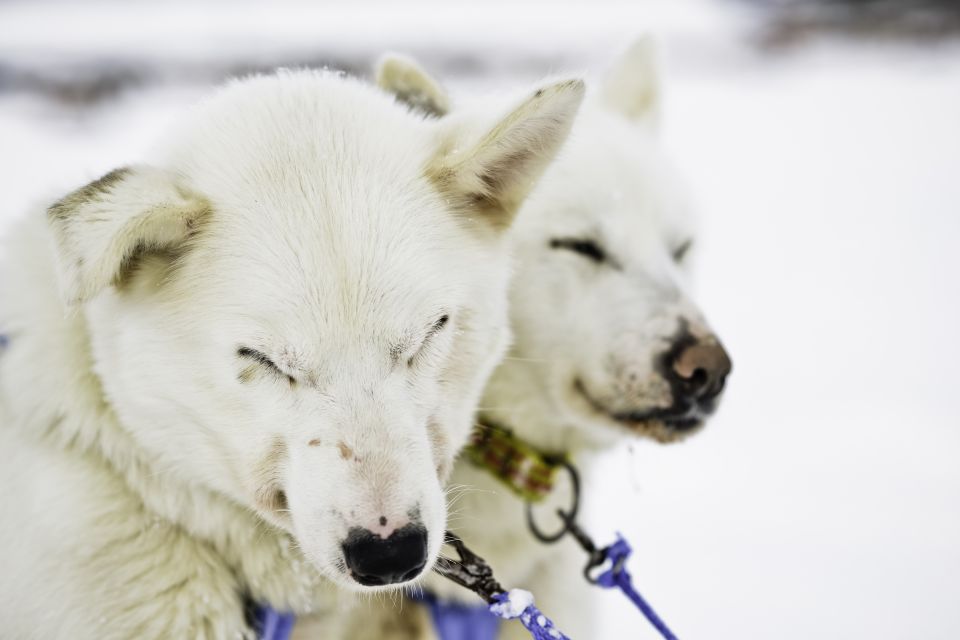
(260,358)
(434,329)
(681,251)
(585,247)
(438,325)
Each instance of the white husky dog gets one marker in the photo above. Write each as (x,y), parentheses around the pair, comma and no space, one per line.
(266,351)
(608,344)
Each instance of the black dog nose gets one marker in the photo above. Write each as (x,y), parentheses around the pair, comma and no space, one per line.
(701,369)
(375,561)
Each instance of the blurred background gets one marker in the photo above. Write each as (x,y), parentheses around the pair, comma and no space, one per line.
(821,140)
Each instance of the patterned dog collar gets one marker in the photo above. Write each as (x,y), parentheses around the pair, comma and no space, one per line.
(525,470)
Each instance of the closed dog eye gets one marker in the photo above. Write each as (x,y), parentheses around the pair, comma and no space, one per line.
(679,253)
(584,246)
(432,332)
(265,362)
(588,248)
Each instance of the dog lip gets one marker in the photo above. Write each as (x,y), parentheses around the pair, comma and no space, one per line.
(683,424)
(680,419)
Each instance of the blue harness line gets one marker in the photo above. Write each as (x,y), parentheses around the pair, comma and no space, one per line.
(457,621)
(518,603)
(618,576)
(475,574)
(452,619)
(271,624)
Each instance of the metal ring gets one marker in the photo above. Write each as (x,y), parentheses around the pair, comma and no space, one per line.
(567,516)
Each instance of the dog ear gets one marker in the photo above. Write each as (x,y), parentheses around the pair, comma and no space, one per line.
(490,178)
(411,85)
(632,86)
(100,229)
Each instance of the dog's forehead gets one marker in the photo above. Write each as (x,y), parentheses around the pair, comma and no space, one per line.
(321,211)
(298,130)
(328,278)
(613,182)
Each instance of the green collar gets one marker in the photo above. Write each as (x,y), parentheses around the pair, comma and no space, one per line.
(523,468)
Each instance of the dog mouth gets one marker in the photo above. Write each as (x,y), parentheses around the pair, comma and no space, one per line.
(662,424)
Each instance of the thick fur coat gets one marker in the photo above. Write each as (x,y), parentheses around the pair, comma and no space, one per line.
(221,362)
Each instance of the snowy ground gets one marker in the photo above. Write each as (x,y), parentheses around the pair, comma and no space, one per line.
(824,499)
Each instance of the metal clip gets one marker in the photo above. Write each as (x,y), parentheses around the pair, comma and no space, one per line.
(595,556)
(470,571)
(566,516)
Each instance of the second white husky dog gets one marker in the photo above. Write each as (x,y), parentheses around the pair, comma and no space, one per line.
(608,344)
(266,349)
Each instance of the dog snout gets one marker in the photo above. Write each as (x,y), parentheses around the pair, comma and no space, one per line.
(376,561)
(700,370)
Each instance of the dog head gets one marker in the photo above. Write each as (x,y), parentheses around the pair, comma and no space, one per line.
(608,340)
(299,303)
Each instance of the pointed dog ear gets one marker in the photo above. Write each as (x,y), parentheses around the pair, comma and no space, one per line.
(632,86)
(100,229)
(411,85)
(489,179)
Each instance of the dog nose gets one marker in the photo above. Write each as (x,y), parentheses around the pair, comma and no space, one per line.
(375,561)
(702,369)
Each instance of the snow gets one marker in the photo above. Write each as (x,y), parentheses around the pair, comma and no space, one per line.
(824,499)
(516,602)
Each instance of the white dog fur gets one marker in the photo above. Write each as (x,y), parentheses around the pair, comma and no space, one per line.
(581,322)
(276,331)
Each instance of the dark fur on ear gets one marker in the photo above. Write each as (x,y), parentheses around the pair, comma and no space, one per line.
(491,178)
(101,228)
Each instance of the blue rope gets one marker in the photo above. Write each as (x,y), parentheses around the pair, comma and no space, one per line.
(618,576)
(272,624)
(460,622)
(518,603)
(454,620)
